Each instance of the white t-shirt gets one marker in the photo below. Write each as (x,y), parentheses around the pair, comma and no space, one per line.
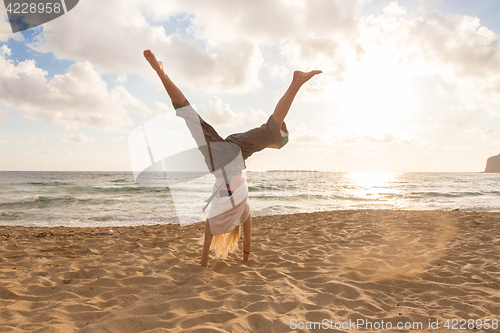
(223,216)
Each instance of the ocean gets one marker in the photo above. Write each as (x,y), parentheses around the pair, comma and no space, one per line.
(103,199)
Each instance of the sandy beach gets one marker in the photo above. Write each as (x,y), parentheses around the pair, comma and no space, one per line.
(334,268)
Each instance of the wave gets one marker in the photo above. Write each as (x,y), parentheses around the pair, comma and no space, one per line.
(127,189)
(302,197)
(9,216)
(50,202)
(48,183)
(41,202)
(262,188)
(450,194)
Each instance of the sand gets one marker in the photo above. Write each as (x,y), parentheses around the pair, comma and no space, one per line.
(333,268)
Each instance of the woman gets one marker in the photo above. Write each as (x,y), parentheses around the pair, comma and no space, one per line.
(225,159)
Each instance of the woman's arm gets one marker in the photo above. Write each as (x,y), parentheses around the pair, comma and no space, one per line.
(206,245)
(247,239)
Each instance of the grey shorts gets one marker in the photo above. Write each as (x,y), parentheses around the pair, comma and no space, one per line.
(268,135)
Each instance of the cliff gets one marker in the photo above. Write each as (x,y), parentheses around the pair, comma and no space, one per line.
(493,164)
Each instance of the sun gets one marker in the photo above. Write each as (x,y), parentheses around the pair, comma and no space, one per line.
(375,98)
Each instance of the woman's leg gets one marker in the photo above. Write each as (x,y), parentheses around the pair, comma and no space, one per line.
(247,239)
(284,104)
(173,91)
(206,245)
(268,135)
(202,132)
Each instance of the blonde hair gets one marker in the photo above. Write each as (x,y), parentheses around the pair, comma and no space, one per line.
(225,243)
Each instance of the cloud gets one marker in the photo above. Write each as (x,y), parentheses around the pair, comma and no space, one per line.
(32,142)
(112,35)
(218,46)
(458,41)
(268,21)
(230,68)
(76,138)
(279,71)
(345,152)
(3,114)
(134,104)
(307,33)
(491,134)
(395,9)
(224,52)
(443,66)
(78,97)
(301,134)
(386,138)
(348,137)
(219,113)
(120,138)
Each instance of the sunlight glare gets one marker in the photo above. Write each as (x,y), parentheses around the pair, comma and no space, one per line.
(375,98)
(373,184)
(372,179)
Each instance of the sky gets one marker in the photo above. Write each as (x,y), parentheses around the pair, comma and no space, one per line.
(407,86)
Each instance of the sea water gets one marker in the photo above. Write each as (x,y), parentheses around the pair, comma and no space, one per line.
(92,199)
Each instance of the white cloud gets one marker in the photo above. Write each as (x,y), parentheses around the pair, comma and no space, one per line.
(231,67)
(219,45)
(79,97)
(112,35)
(339,138)
(219,113)
(395,9)
(386,138)
(491,134)
(3,114)
(32,142)
(120,138)
(5,51)
(279,71)
(308,34)
(458,41)
(340,151)
(454,49)
(270,21)
(133,103)
(224,54)
(301,134)
(76,138)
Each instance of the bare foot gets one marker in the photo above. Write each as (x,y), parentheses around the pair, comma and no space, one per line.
(151,58)
(303,77)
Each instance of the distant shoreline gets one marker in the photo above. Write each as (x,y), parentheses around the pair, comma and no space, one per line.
(307,171)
